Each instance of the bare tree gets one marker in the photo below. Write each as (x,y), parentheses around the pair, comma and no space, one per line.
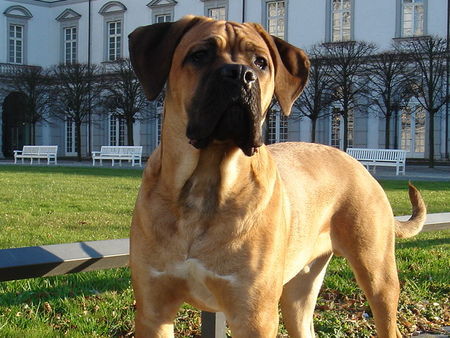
(427,82)
(387,74)
(35,84)
(77,89)
(348,67)
(317,96)
(124,95)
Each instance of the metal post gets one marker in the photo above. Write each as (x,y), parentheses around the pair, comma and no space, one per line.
(213,325)
(447,91)
(89,133)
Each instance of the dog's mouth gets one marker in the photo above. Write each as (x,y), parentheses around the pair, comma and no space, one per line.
(225,112)
(236,124)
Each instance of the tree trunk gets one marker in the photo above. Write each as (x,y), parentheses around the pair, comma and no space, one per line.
(345,116)
(396,146)
(130,132)
(33,133)
(431,139)
(78,140)
(387,139)
(313,130)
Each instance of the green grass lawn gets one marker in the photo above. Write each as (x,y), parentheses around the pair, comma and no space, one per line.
(47,205)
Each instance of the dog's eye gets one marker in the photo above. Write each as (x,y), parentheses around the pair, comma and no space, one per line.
(260,62)
(199,56)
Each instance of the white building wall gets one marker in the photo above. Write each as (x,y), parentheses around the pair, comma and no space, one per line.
(374,21)
(437,17)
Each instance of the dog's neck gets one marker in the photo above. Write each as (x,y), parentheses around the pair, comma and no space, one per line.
(208,176)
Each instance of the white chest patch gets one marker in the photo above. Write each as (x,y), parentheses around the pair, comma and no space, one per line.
(195,273)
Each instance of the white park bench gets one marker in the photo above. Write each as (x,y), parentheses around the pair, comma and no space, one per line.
(37,152)
(131,154)
(380,157)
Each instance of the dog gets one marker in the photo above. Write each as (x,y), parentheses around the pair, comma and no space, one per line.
(231,225)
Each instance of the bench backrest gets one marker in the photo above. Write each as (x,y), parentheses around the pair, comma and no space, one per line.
(121,150)
(39,150)
(377,154)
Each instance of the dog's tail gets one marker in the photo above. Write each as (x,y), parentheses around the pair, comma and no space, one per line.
(411,227)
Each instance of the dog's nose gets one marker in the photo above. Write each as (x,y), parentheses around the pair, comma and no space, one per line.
(238,73)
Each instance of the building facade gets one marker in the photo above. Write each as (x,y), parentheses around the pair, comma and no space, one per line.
(49,32)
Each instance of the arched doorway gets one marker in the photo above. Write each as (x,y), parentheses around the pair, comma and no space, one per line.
(16,128)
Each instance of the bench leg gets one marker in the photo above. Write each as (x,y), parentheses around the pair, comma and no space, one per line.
(112,163)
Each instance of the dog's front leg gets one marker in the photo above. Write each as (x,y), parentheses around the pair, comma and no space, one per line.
(299,298)
(261,321)
(157,302)
(251,310)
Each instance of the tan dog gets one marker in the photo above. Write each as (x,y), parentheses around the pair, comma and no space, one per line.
(227,224)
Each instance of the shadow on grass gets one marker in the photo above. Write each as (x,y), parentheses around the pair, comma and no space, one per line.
(95,171)
(402,185)
(87,284)
(425,243)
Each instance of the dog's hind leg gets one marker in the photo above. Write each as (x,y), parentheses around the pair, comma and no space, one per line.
(379,281)
(299,298)
(372,259)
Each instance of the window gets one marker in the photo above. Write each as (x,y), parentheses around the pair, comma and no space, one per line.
(163,18)
(159,118)
(114,40)
(68,21)
(116,131)
(16,25)
(113,12)
(337,128)
(218,13)
(276,18)
(335,139)
(412,133)
(162,10)
(71,140)
(70,45)
(341,20)
(277,127)
(413,18)
(16,44)
(158,128)
(216,9)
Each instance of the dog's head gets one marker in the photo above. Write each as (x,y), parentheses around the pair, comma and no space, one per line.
(220,75)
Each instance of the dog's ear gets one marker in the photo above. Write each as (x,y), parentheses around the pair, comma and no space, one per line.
(291,74)
(291,69)
(151,49)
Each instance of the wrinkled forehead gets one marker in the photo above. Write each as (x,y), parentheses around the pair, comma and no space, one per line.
(226,36)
